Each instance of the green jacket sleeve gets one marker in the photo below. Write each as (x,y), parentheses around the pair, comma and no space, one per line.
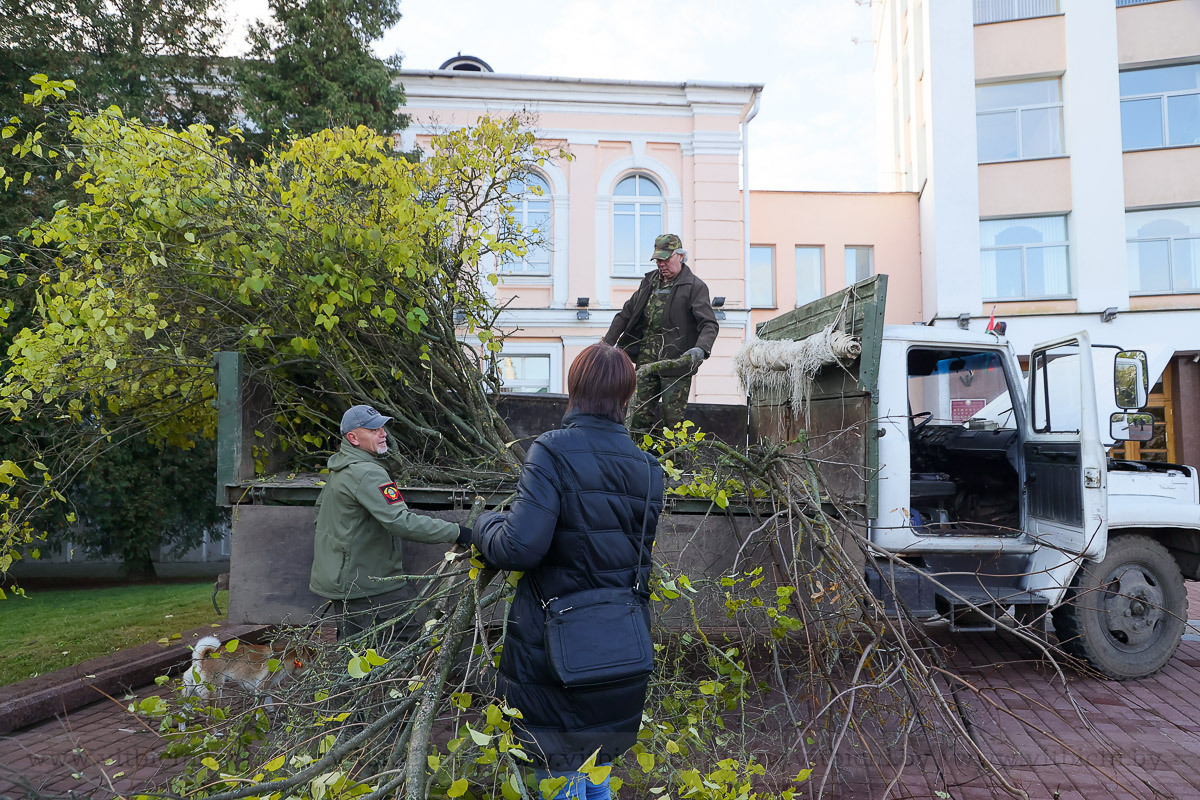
(382,499)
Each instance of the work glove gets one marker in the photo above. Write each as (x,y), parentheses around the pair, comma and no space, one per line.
(696,355)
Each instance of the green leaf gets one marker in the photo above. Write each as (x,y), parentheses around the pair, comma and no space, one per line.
(458,788)
(358,667)
(211,763)
(510,790)
(374,659)
(645,761)
(275,764)
(477,737)
(231,646)
(191,237)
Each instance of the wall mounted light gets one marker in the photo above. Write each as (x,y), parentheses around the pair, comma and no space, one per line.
(964,321)
(718,309)
(581,303)
(1108,314)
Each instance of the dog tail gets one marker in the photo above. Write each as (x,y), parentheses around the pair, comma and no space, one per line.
(204,648)
(193,684)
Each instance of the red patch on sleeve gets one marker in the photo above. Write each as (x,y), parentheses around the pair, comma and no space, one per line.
(391,494)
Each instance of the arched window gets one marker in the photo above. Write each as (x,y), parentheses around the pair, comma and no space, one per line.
(637,221)
(531,210)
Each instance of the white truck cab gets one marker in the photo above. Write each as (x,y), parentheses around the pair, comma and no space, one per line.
(985,488)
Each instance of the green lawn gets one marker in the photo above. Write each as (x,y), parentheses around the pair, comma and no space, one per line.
(55,629)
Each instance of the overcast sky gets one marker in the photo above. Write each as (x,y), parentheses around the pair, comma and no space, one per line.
(815,130)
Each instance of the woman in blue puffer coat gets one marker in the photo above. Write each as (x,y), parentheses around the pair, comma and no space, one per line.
(575,525)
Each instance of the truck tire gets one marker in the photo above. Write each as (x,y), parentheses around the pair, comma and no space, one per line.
(1125,615)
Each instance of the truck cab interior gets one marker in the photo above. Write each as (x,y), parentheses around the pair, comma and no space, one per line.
(963,443)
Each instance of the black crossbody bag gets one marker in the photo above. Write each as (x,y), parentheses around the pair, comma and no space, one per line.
(600,636)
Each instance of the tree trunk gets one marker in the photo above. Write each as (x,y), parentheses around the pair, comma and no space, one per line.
(138,566)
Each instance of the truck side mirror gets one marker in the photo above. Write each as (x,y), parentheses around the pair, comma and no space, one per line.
(1131,379)
(1126,427)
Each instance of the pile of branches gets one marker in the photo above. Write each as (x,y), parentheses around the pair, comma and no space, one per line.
(341,269)
(781,676)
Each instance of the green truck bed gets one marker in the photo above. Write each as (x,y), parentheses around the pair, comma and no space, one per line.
(840,429)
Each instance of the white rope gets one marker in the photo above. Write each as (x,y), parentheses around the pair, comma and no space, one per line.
(785,369)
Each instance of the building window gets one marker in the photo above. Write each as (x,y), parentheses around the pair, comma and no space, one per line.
(524,373)
(810,274)
(859,264)
(531,210)
(1024,258)
(1123,3)
(762,276)
(1004,10)
(637,222)
(1162,249)
(1160,107)
(1019,120)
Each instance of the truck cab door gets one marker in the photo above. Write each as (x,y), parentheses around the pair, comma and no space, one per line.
(1064,463)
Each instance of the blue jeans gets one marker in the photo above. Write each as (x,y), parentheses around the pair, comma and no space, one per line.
(578,787)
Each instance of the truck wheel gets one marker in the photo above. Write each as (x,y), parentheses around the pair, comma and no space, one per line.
(1126,614)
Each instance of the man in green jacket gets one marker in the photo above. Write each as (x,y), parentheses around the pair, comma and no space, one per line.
(361,522)
(668,317)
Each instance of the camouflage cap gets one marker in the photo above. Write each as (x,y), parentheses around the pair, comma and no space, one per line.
(666,245)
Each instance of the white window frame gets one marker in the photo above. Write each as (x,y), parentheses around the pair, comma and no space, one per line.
(1162,97)
(1053,7)
(1170,240)
(772,302)
(638,202)
(1019,110)
(820,248)
(1024,248)
(520,214)
(552,349)
(870,248)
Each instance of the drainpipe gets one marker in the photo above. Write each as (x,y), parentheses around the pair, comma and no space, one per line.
(746,211)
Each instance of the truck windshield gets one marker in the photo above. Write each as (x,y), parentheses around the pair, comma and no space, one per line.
(951,387)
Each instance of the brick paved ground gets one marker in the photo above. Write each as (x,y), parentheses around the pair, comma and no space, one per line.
(100,750)
(1140,740)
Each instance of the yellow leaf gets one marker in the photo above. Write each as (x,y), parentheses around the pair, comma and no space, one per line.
(458,788)
(646,761)
(275,764)
(211,763)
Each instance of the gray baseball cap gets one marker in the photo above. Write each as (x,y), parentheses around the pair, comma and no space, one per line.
(362,417)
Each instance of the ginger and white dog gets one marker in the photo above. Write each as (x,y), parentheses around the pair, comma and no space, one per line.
(249,665)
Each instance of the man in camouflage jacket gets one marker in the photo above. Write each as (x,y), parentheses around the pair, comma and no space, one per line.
(669,316)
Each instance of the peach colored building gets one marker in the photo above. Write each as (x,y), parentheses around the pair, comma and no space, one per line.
(648,158)
(804,245)
(1055,148)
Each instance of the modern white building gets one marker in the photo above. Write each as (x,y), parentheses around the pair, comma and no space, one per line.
(1055,149)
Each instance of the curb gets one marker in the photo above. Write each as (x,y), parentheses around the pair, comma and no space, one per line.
(27,702)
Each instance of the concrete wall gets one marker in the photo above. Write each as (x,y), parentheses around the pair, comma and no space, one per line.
(272,559)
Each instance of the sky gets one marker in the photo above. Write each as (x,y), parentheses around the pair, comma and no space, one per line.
(815,130)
